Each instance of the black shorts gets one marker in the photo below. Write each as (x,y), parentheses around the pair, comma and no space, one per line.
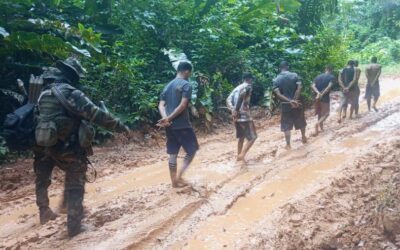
(294,117)
(246,130)
(372,91)
(185,138)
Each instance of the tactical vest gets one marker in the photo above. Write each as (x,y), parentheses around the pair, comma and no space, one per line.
(54,123)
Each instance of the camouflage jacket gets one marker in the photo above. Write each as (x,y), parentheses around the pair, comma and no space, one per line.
(49,107)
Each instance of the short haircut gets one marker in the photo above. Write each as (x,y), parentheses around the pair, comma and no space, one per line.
(184,66)
(329,67)
(356,63)
(350,63)
(284,65)
(247,76)
(374,59)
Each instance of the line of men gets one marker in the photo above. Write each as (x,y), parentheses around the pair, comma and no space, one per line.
(287,86)
(64,140)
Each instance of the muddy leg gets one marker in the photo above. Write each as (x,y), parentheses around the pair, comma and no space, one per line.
(43,169)
(369,103)
(186,163)
(173,163)
(240,146)
(375,102)
(75,186)
(246,149)
(303,135)
(287,138)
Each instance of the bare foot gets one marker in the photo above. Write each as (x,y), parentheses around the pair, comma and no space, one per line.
(339,121)
(180,183)
(288,147)
(240,158)
(376,110)
(304,140)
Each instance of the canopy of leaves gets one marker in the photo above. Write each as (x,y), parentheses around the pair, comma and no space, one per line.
(121,43)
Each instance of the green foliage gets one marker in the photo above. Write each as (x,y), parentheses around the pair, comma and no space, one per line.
(121,45)
(386,49)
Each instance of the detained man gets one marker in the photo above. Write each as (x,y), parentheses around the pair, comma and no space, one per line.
(373,72)
(173,108)
(322,86)
(346,82)
(287,86)
(239,103)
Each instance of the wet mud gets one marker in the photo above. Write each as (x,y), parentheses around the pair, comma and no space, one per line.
(335,192)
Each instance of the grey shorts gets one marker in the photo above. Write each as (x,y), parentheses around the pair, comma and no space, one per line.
(246,130)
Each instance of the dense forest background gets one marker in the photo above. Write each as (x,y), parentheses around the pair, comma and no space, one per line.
(123,44)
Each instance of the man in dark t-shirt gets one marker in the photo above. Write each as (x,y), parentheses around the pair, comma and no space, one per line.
(174,111)
(322,86)
(287,86)
(346,81)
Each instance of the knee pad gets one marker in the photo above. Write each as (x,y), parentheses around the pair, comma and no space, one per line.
(173,161)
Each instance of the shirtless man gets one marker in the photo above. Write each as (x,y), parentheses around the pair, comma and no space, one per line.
(287,86)
(173,109)
(322,86)
(239,103)
(357,91)
(373,72)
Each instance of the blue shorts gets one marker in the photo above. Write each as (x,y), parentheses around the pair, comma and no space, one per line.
(185,138)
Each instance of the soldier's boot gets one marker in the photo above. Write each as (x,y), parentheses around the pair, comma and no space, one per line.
(46,215)
(75,212)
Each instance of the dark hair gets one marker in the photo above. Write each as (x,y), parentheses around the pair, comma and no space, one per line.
(184,66)
(356,63)
(350,63)
(329,67)
(247,76)
(284,65)
(374,59)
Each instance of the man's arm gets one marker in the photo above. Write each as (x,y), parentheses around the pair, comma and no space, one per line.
(377,76)
(314,88)
(298,91)
(162,110)
(327,89)
(293,103)
(87,110)
(340,80)
(181,107)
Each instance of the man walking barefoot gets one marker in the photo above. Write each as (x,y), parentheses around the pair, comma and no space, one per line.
(239,103)
(373,72)
(174,111)
(322,86)
(287,86)
(346,82)
(357,91)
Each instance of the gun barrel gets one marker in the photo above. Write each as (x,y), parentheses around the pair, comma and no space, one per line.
(21,87)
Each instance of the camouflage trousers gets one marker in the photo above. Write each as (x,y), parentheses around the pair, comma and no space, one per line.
(75,167)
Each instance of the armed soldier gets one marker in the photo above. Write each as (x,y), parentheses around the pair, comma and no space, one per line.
(63,139)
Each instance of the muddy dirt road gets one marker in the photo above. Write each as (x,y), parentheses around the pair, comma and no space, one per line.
(231,205)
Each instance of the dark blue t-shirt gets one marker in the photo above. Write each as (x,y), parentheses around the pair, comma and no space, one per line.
(287,82)
(321,82)
(172,95)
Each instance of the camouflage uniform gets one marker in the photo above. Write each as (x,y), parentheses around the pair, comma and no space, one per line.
(67,154)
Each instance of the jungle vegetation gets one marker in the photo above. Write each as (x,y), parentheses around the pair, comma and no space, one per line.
(122,44)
